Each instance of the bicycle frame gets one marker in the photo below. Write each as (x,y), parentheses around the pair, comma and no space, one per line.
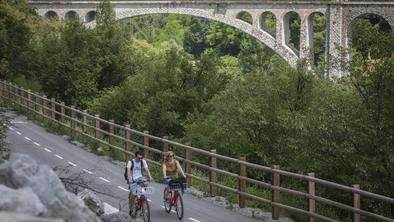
(175,200)
(141,206)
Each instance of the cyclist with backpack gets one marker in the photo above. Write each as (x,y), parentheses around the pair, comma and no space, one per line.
(134,174)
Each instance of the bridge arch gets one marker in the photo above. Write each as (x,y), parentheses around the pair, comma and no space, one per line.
(51,15)
(90,16)
(310,38)
(372,18)
(386,12)
(388,25)
(264,24)
(245,16)
(387,16)
(71,15)
(253,30)
(289,32)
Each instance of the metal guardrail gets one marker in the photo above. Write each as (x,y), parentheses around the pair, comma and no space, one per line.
(90,127)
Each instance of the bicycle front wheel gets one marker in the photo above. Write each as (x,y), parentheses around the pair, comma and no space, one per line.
(179,206)
(167,200)
(145,211)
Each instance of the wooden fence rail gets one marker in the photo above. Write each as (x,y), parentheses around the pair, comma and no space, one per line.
(93,127)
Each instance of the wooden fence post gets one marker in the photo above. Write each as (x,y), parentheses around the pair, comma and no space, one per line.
(1,88)
(73,121)
(127,144)
(146,143)
(165,146)
(62,112)
(12,94)
(311,202)
(97,126)
(242,183)
(10,91)
(53,106)
(276,193)
(22,96)
(212,177)
(188,167)
(7,89)
(44,106)
(111,138)
(84,126)
(356,203)
(37,105)
(29,103)
(17,95)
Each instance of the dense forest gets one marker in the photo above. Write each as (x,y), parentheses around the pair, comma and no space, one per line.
(209,84)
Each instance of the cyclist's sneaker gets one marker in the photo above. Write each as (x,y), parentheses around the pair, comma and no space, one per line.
(132,213)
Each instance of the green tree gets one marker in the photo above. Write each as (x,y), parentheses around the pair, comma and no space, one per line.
(15,33)
(112,43)
(195,40)
(68,67)
(224,38)
(157,98)
(372,76)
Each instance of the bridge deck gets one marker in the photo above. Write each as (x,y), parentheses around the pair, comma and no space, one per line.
(235,1)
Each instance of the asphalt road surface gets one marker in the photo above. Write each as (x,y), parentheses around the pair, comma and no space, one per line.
(23,136)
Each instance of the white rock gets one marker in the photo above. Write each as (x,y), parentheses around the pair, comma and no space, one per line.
(22,200)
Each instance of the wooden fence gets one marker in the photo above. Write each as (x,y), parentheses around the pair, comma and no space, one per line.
(106,132)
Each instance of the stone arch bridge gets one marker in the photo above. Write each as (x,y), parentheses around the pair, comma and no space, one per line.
(339,16)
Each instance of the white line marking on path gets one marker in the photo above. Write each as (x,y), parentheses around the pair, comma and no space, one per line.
(102,178)
(192,219)
(37,144)
(48,150)
(27,138)
(123,188)
(108,209)
(72,164)
(87,171)
(19,133)
(173,211)
(59,157)
(10,128)
(18,121)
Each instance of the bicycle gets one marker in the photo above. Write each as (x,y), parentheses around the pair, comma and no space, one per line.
(173,198)
(141,206)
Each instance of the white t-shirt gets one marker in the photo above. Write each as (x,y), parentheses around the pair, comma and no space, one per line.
(137,171)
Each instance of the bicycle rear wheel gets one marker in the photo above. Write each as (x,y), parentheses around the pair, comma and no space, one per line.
(145,211)
(167,200)
(179,206)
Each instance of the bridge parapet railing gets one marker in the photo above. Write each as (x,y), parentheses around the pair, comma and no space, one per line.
(209,1)
(122,138)
(227,1)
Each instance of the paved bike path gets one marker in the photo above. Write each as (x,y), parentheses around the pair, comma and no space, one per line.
(26,137)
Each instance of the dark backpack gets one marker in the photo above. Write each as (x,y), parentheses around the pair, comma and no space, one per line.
(131,169)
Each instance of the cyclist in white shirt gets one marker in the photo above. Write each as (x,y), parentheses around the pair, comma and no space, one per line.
(135,175)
